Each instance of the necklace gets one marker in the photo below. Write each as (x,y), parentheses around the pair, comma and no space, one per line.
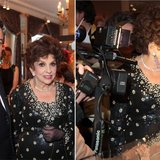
(41,90)
(38,88)
(149,68)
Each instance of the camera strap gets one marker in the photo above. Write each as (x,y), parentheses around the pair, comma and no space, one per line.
(98,128)
(99,125)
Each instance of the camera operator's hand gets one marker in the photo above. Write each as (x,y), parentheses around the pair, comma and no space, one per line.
(82,97)
(82,68)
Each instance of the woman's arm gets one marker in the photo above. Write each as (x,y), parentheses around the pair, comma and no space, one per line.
(83,150)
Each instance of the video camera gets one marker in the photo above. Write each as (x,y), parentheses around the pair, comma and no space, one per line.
(107,40)
(89,82)
(108,81)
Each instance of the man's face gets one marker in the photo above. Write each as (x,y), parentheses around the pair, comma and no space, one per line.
(79,17)
(1,41)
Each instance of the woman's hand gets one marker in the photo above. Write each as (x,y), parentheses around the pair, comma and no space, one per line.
(138,152)
(143,152)
(52,134)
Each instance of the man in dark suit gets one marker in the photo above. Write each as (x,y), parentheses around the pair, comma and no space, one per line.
(6,143)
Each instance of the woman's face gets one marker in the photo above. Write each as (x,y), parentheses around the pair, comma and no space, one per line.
(45,69)
(8,55)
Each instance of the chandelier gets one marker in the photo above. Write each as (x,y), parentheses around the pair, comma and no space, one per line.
(6,5)
(132,8)
(63,13)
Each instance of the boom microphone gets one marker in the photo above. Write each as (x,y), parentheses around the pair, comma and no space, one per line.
(113,56)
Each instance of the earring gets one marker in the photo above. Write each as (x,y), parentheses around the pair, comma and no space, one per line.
(156,61)
(33,74)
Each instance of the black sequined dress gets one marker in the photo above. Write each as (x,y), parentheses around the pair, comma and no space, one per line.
(135,116)
(31,115)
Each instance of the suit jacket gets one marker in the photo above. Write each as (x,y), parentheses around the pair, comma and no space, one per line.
(6,143)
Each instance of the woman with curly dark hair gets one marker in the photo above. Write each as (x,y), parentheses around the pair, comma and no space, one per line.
(135,118)
(42,107)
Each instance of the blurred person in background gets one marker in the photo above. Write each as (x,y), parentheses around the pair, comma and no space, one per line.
(6,140)
(65,74)
(85,17)
(9,72)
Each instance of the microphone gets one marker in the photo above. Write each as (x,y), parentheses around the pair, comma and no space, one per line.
(88,54)
(113,56)
(80,34)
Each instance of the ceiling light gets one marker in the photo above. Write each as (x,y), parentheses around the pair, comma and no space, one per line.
(63,13)
(6,5)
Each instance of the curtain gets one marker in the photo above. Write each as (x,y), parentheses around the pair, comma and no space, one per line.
(11,20)
(36,26)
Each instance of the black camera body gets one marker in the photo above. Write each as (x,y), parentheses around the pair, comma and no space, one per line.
(119,81)
(90,81)
(108,39)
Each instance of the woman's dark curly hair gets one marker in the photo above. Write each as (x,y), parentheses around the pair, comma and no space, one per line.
(120,18)
(66,71)
(42,48)
(88,8)
(147,28)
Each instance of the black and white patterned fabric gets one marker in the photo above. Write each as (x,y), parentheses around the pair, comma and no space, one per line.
(31,115)
(137,115)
